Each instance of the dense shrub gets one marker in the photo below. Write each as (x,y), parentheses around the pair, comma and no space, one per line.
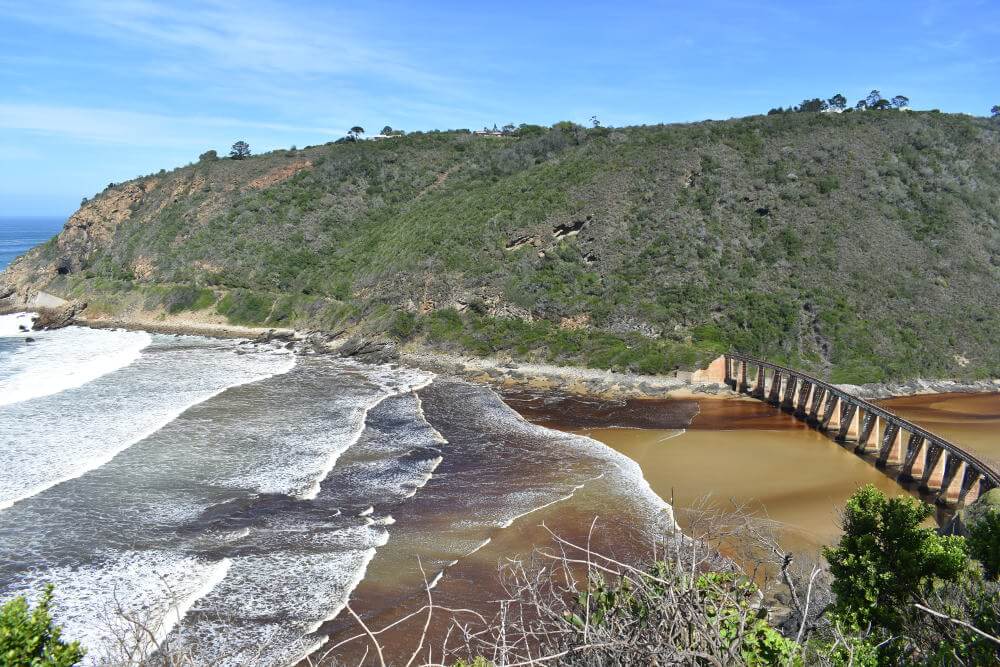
(822,239)
(186,297)
(29,638)
(245,307)
(886,558)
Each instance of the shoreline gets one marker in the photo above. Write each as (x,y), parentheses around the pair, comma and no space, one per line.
(506,374)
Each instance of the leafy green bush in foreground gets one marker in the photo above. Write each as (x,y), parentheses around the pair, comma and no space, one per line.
(28,638)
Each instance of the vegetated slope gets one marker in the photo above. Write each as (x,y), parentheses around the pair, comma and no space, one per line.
(863,246)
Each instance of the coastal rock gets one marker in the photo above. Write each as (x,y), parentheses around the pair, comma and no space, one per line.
(56,318)
(376,351)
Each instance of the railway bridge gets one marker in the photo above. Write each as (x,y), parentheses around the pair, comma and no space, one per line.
(952,475)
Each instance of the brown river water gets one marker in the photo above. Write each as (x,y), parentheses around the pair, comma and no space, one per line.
(727,452)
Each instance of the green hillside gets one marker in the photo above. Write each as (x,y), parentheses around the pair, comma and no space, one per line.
(863,246)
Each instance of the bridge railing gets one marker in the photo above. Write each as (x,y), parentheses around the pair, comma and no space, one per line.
(933,460)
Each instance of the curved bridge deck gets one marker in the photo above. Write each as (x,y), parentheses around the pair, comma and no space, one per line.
(953,475)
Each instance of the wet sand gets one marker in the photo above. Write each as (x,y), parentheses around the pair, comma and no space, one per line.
(458,523)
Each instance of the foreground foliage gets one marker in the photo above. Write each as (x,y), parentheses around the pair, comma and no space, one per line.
(28,637)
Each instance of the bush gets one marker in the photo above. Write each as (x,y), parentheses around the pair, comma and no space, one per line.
(984,541)
(29,638)
(885,559)
(187,297)
(245,307)
(403,326)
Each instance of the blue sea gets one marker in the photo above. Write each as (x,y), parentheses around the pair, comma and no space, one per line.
(18,235)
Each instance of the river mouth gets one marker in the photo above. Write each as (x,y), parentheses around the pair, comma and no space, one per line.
(729,453)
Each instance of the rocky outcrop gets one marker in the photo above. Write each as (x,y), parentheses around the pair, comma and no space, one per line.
(94,225)
(369,350)
(919,386)
(57,318)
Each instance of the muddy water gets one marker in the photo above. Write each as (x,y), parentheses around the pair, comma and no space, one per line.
(729,452)
(971,421)
(501,486)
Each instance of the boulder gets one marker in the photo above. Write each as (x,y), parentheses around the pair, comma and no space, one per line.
(57,318)
(375,351)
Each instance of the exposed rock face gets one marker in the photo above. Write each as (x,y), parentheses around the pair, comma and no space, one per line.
(94,225)
(57,318)
(369,350)
(278,175)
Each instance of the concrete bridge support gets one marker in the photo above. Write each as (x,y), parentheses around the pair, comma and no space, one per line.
(831,416)
(870,438)
(951,485)
(788,398)
(803,399)
(758,385)
(955,476)
(816,403)
(774,395)
(934,472)
(850,425)
(971,486)
(891,452)
(916,459)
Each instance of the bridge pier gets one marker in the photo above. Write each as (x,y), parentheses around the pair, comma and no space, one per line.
(831,417)
(758,387)
(938,466)
(934,472)
(816,403)
(951,485)
(971,487)
(870,438)
(774,395)
(916,459)
(891,452)
(804,393)
(850,427)
(788,399)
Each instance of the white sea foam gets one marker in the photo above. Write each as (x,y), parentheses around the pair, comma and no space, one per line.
(631,473)
(64,359)
(63,435)
(154,588)
(11,325)
(392,382)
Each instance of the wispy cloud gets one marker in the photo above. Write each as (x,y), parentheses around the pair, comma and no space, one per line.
(246,37)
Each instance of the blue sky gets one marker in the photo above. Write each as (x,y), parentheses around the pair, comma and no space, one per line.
(97,91)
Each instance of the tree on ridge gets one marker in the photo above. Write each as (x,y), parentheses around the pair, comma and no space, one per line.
(241,150)
(838,102)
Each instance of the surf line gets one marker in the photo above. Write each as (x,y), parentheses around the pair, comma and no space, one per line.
(106,457)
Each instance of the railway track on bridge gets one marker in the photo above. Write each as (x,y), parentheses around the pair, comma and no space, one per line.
(953,475)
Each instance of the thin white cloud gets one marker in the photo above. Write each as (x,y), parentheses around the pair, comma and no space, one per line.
(237,36)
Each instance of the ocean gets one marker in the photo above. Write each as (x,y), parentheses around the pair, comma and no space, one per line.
(223,499)
(18,235)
